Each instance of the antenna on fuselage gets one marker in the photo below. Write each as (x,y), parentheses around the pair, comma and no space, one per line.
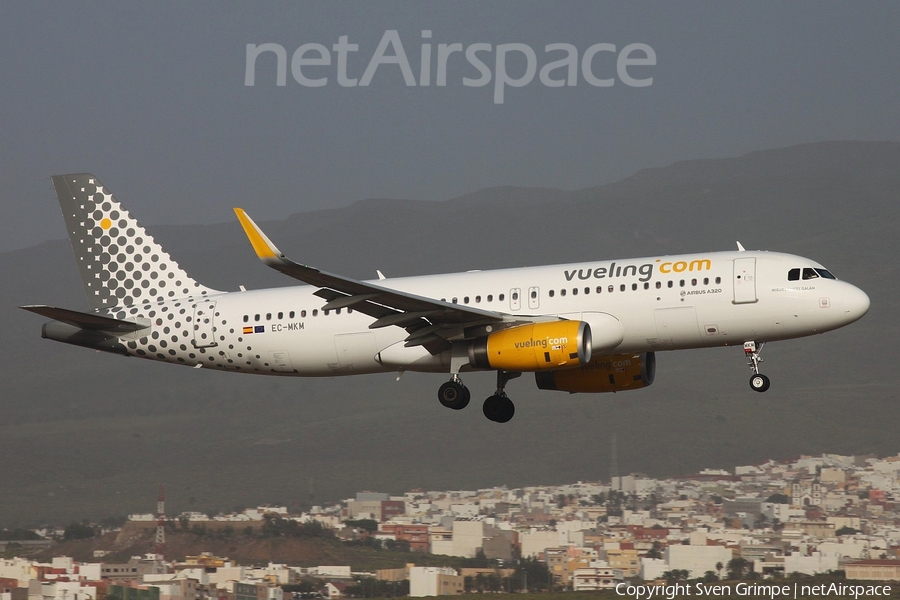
(740,248)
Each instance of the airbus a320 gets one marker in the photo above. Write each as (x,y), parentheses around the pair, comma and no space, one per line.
(587,327)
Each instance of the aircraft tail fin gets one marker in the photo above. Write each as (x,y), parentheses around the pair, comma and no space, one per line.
(120,264)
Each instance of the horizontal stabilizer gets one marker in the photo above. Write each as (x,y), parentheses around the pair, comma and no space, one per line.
(90,321)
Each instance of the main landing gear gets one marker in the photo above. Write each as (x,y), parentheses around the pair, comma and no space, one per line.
(498,408)
(758,381)
(454,394)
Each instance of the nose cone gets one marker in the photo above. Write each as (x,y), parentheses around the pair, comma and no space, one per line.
(854,303)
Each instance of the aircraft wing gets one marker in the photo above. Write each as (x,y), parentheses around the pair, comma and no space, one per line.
(429,322)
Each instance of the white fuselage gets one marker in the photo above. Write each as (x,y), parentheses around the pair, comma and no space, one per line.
(662,303)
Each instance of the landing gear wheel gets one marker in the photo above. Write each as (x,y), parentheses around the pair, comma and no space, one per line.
(499,409)
(759,382)
(454,394)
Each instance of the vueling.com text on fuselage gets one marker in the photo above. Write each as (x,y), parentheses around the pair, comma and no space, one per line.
(645,270)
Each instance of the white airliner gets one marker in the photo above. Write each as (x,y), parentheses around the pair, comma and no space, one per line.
(584,327)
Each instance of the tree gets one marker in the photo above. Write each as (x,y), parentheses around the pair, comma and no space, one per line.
(710,576)
(614,503)
(778,499)
(534,574)
(366,524)
(479,582)
(738,568)
(676,575)
(79,531)
(397,545)
(9,535)
(656,550)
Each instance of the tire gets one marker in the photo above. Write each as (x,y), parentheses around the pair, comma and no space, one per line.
(499,409)
(454,395)
(759,383)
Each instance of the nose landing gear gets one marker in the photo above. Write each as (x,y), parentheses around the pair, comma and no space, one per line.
(758,381)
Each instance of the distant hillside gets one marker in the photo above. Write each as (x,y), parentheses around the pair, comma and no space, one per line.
(91,435)
(134,540)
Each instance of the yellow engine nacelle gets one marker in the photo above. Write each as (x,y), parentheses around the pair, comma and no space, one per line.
(534,347)
(611,373)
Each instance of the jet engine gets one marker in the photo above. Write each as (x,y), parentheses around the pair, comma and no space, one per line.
(610,373)
(534,347)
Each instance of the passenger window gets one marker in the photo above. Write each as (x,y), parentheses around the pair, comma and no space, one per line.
(693,282)
(501,297)
(587,290)
(633,287)
(256,317)
(268,316)
(281,315)
(315,312)
(574,291)
(302,313)
(325,312)
(810,274)
(466,300)
(622,288)
(477,299)
(646,286)
(599,289)
(718,280)
(533,294)
(658,284)
(706,281)
(515,296)
(670,284)
(794,275)
(490,297)
(291,315)
(454,301)
(337,312)
(681,283)
(612,288)
(562,292)
(246,318)
(551,293)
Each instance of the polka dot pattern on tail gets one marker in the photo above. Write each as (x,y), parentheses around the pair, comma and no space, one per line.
(116,257)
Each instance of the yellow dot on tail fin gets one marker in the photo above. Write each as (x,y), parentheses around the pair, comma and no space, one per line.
(105,223)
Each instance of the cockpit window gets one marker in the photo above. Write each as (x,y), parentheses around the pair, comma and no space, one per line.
(795,274)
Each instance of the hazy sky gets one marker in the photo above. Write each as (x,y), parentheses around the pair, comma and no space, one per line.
(151,98)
